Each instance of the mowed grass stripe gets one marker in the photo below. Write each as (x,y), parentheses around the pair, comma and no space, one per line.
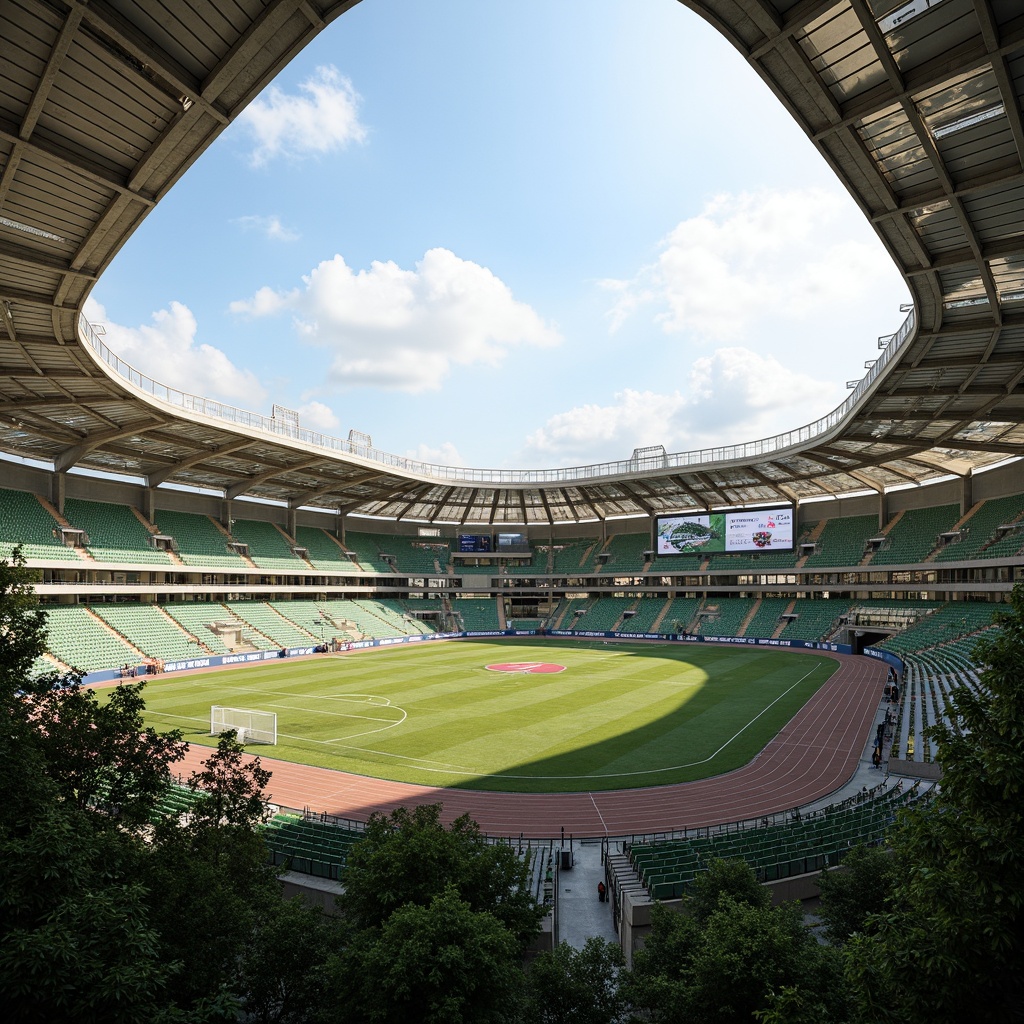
(617,716)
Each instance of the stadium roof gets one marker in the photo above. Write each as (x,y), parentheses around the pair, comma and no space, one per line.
(916,106)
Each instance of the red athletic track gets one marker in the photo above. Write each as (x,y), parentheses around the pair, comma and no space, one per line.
(814,754)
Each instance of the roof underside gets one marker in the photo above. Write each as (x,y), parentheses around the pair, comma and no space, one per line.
(915,105)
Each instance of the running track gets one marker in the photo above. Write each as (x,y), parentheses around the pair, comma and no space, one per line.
(814,754)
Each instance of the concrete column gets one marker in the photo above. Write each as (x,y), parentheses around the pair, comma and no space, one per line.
(339,529)
(883,510)
(225,514)
(58,485)
(966,492)
(149,504)
(292,522)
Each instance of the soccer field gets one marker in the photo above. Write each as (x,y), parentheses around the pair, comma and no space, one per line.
(600,716)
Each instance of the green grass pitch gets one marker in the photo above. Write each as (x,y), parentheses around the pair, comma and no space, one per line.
(618,716)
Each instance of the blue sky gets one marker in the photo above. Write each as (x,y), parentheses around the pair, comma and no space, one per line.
(499,235)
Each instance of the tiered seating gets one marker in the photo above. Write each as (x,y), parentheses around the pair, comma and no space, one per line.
(526,624)
(625,554)
(24,521)
(565,616)
(477,613)
(731,613)
(766,618)
(779,849)
(604,613)
(377,619)
(366,548)
(147,628)
(916,534)
(78,640)
(309,845)
(414,556)
(842,542)
(571,556)
(1012,543)
(681,612)
(308,617)
(952,621)
(980,529)
(196,616)
(647,613)
(428,614)
(198,540)
(270,624)
(816,619)
(324,552)
(268,548)
(115,533)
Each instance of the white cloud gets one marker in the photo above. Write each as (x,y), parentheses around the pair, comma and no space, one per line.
(755,257)
(445,454)
(317,416)
(166,350)
(404,329)
(323,118)
(730,396)
(270,226)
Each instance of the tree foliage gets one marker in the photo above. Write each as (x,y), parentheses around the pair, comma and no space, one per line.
(861,887)
(729,953)
(951,946)
(443,963)
(409,857)
(577,986)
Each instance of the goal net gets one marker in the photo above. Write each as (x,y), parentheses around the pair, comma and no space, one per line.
(251,726)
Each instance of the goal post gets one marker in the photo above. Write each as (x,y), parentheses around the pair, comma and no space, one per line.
(251,726)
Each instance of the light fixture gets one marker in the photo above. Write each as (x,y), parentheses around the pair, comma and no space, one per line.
(978,117)
(29,230)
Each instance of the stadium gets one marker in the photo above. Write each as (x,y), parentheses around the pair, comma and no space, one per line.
(175,533)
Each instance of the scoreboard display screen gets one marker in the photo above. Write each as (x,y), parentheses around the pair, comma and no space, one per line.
(748,531)
(474,542)
(513,543)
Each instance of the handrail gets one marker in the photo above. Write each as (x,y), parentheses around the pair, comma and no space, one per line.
(250,421)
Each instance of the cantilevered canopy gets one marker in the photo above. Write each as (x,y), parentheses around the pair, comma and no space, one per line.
(916,106)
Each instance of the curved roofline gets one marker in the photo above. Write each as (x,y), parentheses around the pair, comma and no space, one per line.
(888,102)
(788,441)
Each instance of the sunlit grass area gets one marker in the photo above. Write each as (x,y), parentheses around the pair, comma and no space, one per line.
(617,716)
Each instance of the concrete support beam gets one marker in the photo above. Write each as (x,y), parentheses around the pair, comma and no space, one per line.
(58,487)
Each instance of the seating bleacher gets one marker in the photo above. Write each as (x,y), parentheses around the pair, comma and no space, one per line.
(575,556)
(196,616)
(604,613)
(842,542)
(366,547)
(324,552)
(766,618)
(916,534)
(268,547)
(198,540)
(146,627)
(625,554)
(779,849)
(726,618)
(980,529)
(815,619)
(476,613)
(24,521)
(269,623)
(76,639)
(115,533)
